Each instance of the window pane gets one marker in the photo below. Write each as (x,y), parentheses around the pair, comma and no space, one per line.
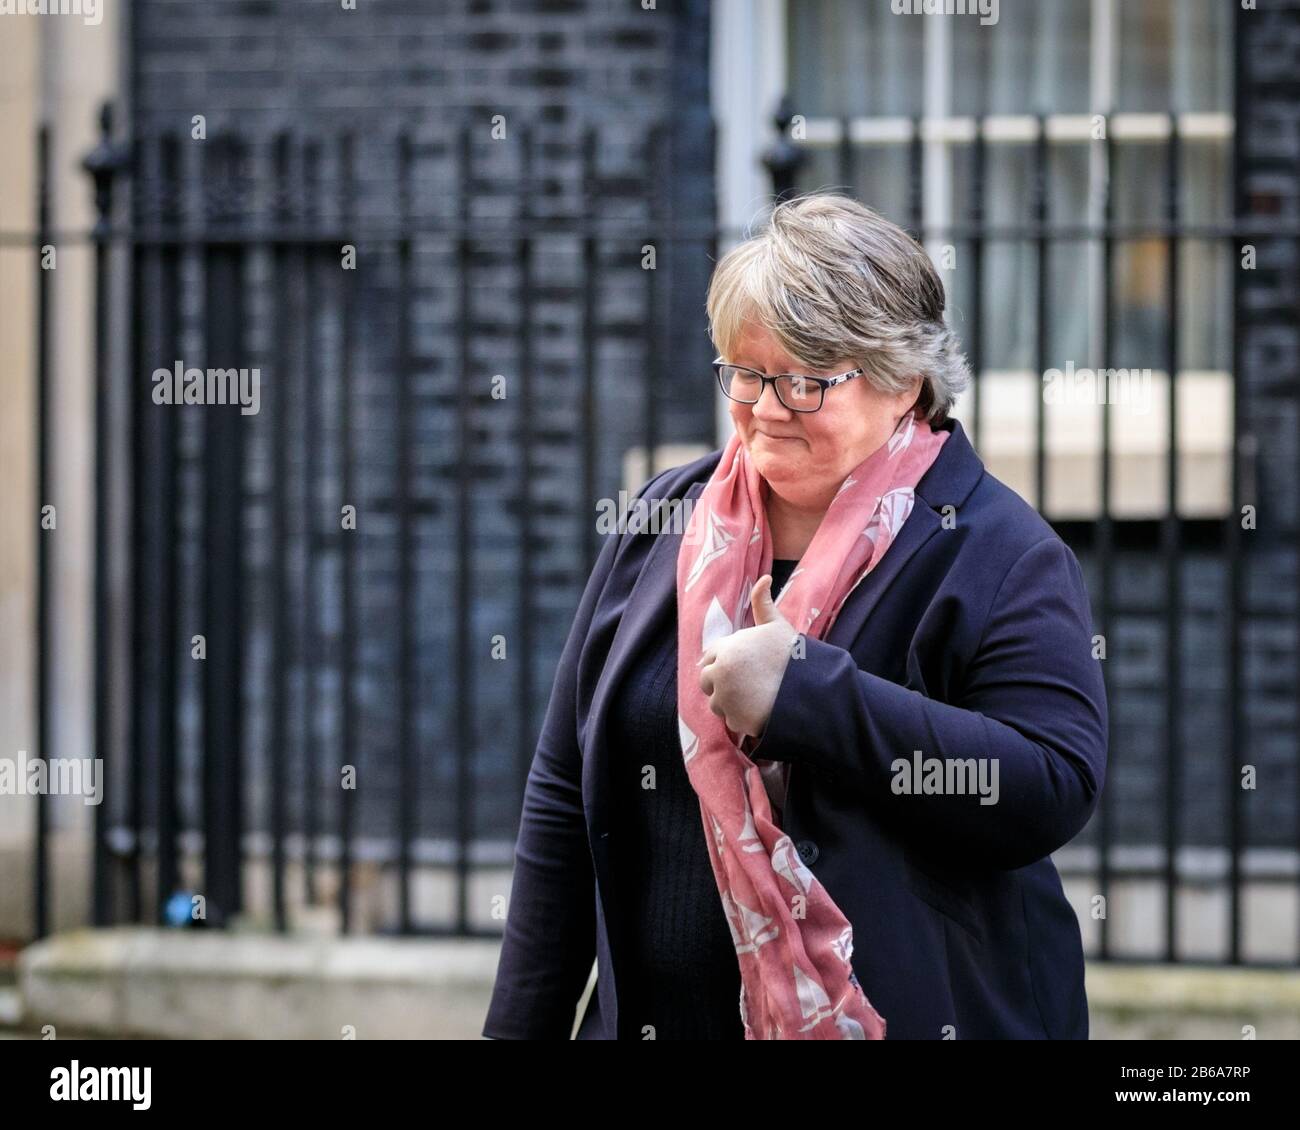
(1033,60)
(1205,293)
(1145,53)
(854,58)
(1203,56)
(1175,54)
(1206,283)
(1205,180)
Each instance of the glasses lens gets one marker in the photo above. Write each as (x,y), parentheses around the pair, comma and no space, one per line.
(739,384)
(799,394)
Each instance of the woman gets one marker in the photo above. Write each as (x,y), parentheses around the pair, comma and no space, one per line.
(804,764)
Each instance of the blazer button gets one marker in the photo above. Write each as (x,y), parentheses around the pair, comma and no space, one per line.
(808,852)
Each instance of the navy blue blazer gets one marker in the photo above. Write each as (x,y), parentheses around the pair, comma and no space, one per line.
(971,639)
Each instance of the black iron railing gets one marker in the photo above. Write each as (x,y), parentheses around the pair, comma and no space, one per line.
(323,652)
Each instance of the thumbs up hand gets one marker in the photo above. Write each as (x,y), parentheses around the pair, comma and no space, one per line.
(741,673)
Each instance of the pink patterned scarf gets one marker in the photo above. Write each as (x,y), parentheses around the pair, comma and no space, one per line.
(796,978)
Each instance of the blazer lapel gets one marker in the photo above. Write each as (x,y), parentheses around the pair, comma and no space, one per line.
(948,482)
(919,528)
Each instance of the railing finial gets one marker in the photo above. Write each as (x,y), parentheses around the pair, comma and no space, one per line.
(783,158)
(103,163)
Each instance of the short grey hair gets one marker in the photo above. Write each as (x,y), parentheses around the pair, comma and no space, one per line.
(831,278)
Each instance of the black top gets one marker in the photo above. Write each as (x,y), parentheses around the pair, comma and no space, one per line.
(677,968)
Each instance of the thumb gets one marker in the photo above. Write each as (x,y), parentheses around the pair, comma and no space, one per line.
(765,609)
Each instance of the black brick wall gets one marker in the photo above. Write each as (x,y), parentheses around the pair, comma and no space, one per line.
(429,68)
(1268,372)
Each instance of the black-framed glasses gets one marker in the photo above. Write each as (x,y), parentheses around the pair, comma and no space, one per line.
(798,392)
